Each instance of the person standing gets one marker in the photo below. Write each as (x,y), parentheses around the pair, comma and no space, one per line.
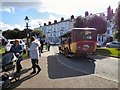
(17,49)
(41,42)
(48,45)
(34,54)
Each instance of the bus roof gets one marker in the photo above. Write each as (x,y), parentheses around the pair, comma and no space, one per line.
(74,29)
(83,29)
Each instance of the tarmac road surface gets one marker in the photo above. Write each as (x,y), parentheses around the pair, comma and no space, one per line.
(61,72)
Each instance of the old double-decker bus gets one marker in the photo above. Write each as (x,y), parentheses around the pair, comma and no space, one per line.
(78,41)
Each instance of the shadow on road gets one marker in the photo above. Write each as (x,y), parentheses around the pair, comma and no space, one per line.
(81,63)
(57,70)
(15,84)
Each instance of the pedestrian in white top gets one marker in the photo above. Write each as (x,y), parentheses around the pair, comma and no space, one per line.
(34,54)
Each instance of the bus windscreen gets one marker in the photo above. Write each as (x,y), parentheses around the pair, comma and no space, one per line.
(85,35)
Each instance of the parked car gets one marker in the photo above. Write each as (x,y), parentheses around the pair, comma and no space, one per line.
(98,44)
(11,42)
(58,43)
(113,44)
(52,43)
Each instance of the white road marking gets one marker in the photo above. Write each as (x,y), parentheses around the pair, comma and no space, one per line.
(84,71)
(81,70)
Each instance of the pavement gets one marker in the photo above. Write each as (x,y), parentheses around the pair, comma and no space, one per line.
(55,75)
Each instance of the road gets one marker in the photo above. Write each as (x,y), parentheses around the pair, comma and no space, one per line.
(105,67)
(61,72)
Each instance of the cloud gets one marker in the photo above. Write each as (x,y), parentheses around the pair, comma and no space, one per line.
(4,26)
(54,8)
(33,24)
(9,10)
(52,18)
(8,6)
(36,23)
(62,7)
(76,7)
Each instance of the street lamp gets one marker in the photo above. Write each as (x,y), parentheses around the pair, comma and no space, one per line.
(27,21)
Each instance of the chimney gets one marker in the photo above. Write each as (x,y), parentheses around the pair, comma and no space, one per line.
(62,19)
(44,24)
(86,14)
(72,17)
(55,21)
(49,23)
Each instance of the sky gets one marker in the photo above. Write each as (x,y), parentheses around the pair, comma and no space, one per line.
(13,12)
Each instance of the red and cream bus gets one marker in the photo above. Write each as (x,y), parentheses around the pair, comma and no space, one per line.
(78,41)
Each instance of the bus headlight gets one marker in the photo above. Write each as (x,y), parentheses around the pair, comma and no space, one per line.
(78,47)
(86,47)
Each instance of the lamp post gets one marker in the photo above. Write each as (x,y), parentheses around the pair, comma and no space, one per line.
(27,21)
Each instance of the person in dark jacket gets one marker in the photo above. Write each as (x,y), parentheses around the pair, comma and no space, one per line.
(48,45)
(42,43)
(17,49)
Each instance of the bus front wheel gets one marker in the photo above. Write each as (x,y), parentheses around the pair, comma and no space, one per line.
(66,52)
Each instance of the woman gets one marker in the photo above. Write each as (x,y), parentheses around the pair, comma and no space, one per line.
(34,54)
(17,49)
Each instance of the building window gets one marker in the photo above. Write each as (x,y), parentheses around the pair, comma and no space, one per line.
(102,38)
(61,33)
(98,38)
(62,28)
(108,32)
(54,35)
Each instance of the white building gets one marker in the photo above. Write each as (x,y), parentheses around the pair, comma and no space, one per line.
(0,33)
(109,35)
(54,30)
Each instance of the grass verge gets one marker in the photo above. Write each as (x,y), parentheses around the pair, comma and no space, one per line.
(108,51)
(2,50)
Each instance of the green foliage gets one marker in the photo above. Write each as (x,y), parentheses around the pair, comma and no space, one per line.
(18,34)
(38,32)
(108,51)
(2,50)
(15,34)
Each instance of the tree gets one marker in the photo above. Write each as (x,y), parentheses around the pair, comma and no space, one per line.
(14,34)
(80,22)
(118,23)
(22,34)
(5,34)
(27,31)
(97,22)
(38,33)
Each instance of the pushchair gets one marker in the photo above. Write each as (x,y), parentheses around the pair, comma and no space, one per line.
(7,69)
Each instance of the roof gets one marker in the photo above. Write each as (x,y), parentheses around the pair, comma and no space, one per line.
(83,29)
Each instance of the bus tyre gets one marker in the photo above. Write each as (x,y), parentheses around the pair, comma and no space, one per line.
(66,52)
(59,51)
(17,76)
